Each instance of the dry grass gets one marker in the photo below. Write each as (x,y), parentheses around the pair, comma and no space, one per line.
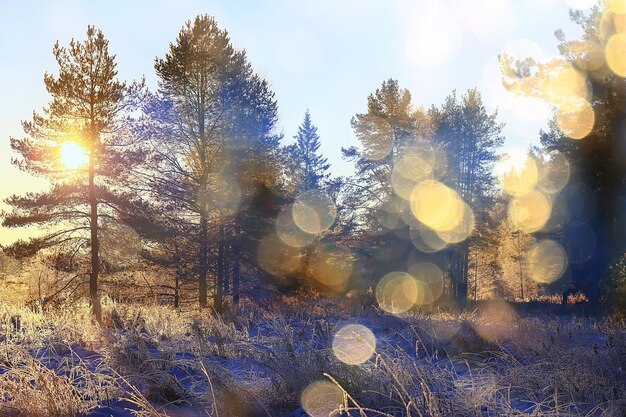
(482,363)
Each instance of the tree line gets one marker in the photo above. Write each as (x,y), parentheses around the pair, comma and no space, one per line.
(193,179)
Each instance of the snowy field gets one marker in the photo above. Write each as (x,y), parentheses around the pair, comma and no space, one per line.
(310,359)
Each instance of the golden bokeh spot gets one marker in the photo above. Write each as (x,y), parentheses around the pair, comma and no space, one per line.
(496,321)
(330,267)
(277,258)
(615,6)
(555,175)
(462,230)
(72,155)
(354,344)
(314,211)
(322,399)
(225,195)
(518,173)
(408,171)
(589,55)
(436,205)
(426,240)
(432,278)
(530,212)
(289,232)
(546,261)
(397,292)
(563,83)
(616,55)
(414,167)
(575,118)
(388,216)
(619,20)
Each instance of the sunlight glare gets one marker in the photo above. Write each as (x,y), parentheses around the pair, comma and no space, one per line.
(72,155)
(517,172)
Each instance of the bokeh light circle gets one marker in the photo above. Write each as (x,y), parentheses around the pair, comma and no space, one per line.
(397,292)
(314,211)
(354,344)
(322,399)
(546,261)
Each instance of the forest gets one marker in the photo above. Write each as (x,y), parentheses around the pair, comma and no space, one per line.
(187,258)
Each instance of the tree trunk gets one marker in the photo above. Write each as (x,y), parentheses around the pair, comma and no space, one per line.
(96,308)
(219,281)
(462,272)
(476,277)
(521,271)
(236,277)
(177,290)
(203,258)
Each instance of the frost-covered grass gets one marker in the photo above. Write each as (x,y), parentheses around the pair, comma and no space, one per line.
(154,361)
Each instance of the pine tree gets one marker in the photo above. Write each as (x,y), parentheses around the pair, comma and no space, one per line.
(310,168)
(87,110)
(587,88)
(212,129)
(385,132)
(470,138)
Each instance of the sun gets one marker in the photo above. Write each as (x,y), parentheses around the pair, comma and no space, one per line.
(72,155)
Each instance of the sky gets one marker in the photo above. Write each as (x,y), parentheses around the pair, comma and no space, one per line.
(323,55)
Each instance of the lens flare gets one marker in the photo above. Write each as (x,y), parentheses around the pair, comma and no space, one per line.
(322,399)
(614,52)
(580,4)
(437,206)
(330,268)
(615,6)
(432,277)
(555,174)
(72,155)
(496,321)
(575,118)
(277,258)
(588,55)
(354,344)
(462,230)
(518,173)
(225,195)
(546,261)
(314,211)
(530,212)
(398,291)
(408,172)
(289,232)
(563,83)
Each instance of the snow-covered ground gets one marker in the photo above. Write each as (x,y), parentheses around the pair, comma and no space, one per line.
(309,358)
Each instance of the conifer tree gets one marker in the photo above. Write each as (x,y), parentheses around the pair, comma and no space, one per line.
(84,119)
(310,168)
(586,86)
(212,125)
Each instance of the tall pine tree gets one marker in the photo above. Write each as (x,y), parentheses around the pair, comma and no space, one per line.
(310,168)
(212,125)
(85,115)
(587,88)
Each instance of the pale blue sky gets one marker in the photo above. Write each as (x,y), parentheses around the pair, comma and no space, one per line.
(325,55)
